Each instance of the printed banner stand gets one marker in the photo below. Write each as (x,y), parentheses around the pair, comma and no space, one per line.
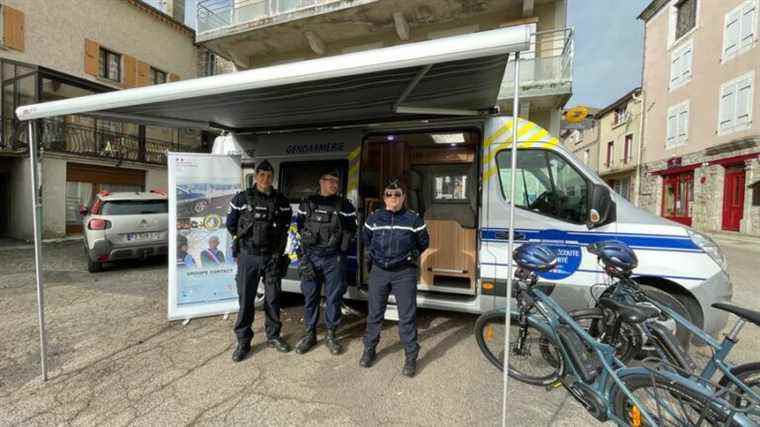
(201,268)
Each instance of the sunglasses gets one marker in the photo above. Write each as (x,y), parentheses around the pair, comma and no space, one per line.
(393,194)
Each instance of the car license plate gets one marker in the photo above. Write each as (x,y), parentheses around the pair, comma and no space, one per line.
(134,237)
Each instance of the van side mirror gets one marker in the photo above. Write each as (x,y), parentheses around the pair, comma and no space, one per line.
(601,207)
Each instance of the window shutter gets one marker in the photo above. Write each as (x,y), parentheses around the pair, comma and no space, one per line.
(727,107)
(13,28)
(686,58)
(143,74)
(748,24)
(91,57)
(675,69)
(672,127)
(130,71)
(173,77)
(683,124)
(743,103)
(731,36)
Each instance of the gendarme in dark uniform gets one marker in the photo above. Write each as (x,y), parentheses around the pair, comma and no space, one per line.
(259,219)
(395,238)
(327,223)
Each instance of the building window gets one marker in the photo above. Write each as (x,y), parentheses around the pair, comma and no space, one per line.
(735,108)
(109,65)
(680,65)
(610,153)
(621,116)
(157,76)
(677,197)
(678,125)
(739,29)
(686,12)
(627,149)
(622,186)
(756,194)
(210,64)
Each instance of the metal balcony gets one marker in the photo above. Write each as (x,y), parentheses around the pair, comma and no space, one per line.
(215,14)
(546,70)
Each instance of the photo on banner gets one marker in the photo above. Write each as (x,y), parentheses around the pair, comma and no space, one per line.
(202,277)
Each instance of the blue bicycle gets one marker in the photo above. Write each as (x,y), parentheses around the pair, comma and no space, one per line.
(548,338)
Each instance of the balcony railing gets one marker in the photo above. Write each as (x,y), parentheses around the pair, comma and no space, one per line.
(87,141)
(215,14)
(544,70)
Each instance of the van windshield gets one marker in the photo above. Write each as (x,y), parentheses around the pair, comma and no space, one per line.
(134,207)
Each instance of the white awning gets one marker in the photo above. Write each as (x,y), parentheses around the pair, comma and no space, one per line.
(454,75)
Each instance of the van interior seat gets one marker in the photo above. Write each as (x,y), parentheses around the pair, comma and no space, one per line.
(463,214)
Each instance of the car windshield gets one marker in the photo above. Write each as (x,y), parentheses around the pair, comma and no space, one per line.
(134,207)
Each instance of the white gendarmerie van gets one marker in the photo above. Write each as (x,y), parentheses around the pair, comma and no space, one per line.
(457,174)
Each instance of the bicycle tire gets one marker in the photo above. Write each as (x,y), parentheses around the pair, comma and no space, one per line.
(749,374)
(625,350)
(696,409)
(485,335)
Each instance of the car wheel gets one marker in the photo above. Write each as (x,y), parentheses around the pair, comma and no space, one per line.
(200,206)
(669,300)
(94,266)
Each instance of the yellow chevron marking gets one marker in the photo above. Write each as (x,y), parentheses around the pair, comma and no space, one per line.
(499,132)
(354,153)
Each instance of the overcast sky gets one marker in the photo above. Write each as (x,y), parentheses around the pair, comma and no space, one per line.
(608,48)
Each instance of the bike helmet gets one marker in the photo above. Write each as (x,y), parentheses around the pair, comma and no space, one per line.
(617,258)
(535,257)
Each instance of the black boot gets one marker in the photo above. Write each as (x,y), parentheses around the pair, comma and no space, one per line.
(241,351)
(368,357)
(279,344)
(410,365)
(332,343)
(307,342)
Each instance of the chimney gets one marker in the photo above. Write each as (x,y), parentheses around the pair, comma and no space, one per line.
(175,9)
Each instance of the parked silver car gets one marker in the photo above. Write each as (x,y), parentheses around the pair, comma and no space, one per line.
(125,225)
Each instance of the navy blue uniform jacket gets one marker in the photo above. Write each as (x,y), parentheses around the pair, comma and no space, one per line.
(395,239)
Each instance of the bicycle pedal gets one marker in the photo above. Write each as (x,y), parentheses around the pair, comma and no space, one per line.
(553,386)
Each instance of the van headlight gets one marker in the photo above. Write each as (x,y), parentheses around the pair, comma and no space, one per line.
(710,247)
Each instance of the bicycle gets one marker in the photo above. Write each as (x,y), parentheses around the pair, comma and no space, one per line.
(594,376)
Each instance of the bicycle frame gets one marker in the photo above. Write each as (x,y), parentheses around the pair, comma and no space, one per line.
(602,385)
(721,349)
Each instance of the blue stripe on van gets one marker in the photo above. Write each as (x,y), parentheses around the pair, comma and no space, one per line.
(580,270)
(636,241)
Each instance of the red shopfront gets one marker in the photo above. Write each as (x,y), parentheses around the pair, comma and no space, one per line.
(678,196)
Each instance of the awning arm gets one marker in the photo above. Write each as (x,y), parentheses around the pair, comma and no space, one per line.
(413,84)
(398,108)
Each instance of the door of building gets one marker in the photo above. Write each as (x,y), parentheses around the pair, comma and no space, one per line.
(733,198)
(677,196)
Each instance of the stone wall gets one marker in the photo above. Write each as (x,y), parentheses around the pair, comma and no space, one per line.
(751,221)
(707,207)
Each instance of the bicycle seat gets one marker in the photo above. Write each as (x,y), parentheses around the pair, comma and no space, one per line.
(745,313)
(629,312)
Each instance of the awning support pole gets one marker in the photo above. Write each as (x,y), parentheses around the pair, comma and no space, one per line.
(510,244)
(38,247)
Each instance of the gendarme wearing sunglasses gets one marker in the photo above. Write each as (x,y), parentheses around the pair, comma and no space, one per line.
(395,237)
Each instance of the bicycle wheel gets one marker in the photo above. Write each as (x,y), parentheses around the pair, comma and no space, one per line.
(668,403)
(628,343)
(537,362)
(749,374)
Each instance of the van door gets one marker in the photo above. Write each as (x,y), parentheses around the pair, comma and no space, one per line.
(551,199)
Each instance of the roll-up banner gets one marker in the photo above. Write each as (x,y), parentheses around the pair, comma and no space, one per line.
(202,270)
